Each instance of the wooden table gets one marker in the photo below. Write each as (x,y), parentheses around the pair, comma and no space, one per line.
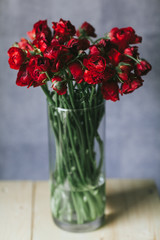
(132,212)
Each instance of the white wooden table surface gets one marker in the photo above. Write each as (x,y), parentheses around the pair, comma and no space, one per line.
(132,212)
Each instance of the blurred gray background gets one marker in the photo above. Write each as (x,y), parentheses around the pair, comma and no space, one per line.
(133,123)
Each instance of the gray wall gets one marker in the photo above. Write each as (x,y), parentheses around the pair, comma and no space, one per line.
(133,128)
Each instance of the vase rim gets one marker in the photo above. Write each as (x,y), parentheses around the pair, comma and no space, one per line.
(77,109)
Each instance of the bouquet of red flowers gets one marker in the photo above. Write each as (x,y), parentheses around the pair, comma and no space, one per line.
(77,73)
(69,57)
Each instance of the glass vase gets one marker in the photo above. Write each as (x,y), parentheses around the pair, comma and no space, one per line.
(76,162)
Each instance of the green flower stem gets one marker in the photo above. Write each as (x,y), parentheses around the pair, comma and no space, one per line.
(71,93)
(76,119)
(73,146)
(89,141)
(136,60)
(75,159)
(75,153)
(101,152)
(91,96)
(47,93)
(100,39)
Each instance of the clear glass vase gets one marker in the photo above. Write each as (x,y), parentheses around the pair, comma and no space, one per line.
(77,172)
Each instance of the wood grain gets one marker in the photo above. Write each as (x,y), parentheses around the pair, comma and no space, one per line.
(132,212)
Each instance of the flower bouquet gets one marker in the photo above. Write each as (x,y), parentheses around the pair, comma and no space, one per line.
(77,74)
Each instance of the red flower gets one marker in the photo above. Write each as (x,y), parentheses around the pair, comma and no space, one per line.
(38,78)
(96,66)
(40,30)
(59,55)
(25,45)
(94,50)
(105,45)
(129,86)
(114,57)
(73,42)
(92,77)
(36,66)
(123,70)
(23,77)
(73,45)
(41,34)
(78,44)
(16,57)
(63,30)
(59,86)
(32,34)
(95,63)
(143,68)
(123,37)
(110,91)
(40,63)
(41,43)
(83,44)
(77,72)
(132,51)
(108,74)
(52,52)
(86,29)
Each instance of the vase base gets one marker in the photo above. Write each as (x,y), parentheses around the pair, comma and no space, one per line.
(79,228)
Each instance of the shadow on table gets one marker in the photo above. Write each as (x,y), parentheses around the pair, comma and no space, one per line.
(123,200)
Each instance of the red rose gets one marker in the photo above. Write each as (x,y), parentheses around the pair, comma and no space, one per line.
(78,44)
(52,52)
(63,30)
(86,29)
(102,48)
(143,68)
(41,43)
(41,34)
(108,74)
(83,44)
(96,66)
(64,56)
(110,91)
(59,56)
(123,37)
(123,76)
(94,50)
(40,30)
(123,70)
(38,78)
(73,45)
(130,85)
(114,57)
(105,45)
(73,42)
(132,51)
(95,63)
(32,34)
(40,63)
(23,77)
(92,77)
(59,86)
(16,57)
(25,45)
(77,72)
